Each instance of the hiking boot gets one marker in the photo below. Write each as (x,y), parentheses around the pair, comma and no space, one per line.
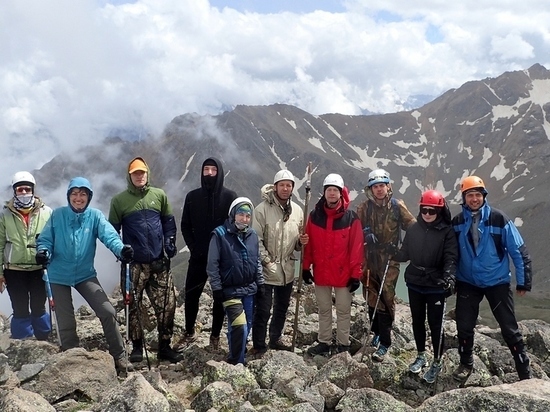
(186,340)
(165,352)
(431,374)
(380,353)
(121,365)
(280,344)
(137,351)
(418,363)
(462,372)
(256,353)
(375,342)
(340,348)
(321,348)
(215,342)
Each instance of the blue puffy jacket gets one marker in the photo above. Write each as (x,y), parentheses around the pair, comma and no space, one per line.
(70,239)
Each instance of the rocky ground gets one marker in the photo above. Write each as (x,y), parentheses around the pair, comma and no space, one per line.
(35,376)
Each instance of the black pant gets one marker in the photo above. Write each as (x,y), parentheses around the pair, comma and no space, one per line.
(432,303)
(194,285)
(382,325)
(279,297)
(501,302)
(26,289)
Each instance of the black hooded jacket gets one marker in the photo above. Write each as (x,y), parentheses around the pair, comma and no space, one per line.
(432,249)
(205,209)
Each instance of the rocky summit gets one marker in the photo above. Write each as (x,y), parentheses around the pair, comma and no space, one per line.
(36,376)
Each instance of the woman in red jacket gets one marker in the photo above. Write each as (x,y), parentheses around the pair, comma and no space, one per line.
(335,253)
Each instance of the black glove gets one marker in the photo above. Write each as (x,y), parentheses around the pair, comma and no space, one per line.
(369,237)
(307,277)
(449,286)
(127,253)
(391,249)
(170,247)
(218,295)
(42,257)
(353,284)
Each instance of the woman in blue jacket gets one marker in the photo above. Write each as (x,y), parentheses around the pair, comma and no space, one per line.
(67,244)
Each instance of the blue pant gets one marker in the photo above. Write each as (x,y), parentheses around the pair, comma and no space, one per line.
(239,321)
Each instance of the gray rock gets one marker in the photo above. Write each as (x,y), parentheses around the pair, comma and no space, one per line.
(240,378)
(217,395)
(76,371)
(5,369)
(20,400)
(302,407)
(155,379)
(28,351)
(345,372)
(29,371)
(134,394)
(524,396)
(276,367)
(330,392)
(370,400)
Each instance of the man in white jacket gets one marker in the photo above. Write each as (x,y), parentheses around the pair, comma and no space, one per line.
(278,222)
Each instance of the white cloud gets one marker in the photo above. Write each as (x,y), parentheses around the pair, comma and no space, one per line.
(71,72)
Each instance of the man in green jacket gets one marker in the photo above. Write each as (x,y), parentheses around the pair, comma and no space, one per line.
(145,217)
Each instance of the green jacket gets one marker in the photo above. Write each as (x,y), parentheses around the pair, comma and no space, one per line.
(15,236)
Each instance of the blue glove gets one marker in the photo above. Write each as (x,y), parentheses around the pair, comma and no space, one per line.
(42,257)
(170,247)
(369,237)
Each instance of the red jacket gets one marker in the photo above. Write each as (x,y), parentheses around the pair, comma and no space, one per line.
(335,247)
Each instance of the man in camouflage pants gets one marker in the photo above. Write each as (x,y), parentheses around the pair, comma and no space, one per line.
(145,217)
(382,218)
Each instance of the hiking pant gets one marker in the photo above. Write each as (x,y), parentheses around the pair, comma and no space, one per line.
(94,294)
(194,285)
(279,297)
(239,320)
(343,314)
(500,300)
(26,289)
(432,303)
(156,280)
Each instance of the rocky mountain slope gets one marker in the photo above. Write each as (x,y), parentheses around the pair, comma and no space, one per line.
(497,128)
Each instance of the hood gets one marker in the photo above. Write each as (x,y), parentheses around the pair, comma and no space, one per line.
(219,177)
(131,186)
(80,182)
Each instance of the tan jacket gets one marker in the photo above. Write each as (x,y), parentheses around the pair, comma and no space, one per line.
(278,239)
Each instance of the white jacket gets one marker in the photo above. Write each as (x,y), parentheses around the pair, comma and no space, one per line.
(278,239)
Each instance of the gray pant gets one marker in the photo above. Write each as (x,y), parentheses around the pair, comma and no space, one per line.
(94,294)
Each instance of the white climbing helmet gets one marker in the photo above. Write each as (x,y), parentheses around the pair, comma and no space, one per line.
(334,179)
(21,178)
(378,176)
(283,175)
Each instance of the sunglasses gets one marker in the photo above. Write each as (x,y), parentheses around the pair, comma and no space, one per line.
(428,211)
(23,189)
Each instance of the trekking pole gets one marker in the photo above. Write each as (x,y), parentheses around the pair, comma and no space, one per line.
(376,305)
(53,316)
(127,308)
(440,346)
(366,335)
(300,278)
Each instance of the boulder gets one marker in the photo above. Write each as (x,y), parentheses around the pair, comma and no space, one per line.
(20,400)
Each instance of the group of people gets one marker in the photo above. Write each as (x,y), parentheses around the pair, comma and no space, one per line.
(249,255)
